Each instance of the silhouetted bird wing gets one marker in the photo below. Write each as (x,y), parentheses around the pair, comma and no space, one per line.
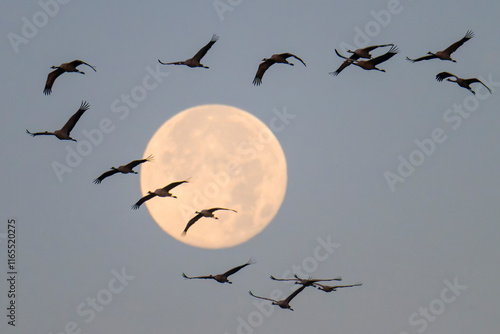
(236,269)
(173,63)
(421,58)
(344,65)
(443,75)
(261,70)
(51,77)
(273,300)
(452,48)
(287,55)
(282,279)
(295,293)
(70,124)
(77,62)
(380,59)
(341,56)
(134,163)
(173,185)
(472,80)
(373,47)
(105,175)
(334,287)
(33,134)
(347,286)
(191,222)
(203,51)
(142,200)
(212,210)
(314,280)
(195,277)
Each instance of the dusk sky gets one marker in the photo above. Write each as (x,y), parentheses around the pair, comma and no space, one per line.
(392,178)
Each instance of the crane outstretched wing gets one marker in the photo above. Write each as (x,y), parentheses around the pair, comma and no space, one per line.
(142,200)
(261,70)
(191,222)
(51,77)
(70,124)
(203,51)
(105,175)
(134,163)
(452,48)
(236,269)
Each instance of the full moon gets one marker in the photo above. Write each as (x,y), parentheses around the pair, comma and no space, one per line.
(231,159)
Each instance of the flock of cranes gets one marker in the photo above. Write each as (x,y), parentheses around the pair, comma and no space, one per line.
(160,192)
(284,303)
(281,58)
(361,58)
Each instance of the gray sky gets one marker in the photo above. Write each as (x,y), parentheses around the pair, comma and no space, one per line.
(426,249)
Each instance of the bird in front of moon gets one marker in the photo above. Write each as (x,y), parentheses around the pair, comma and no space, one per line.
(222,278)
(209,213)
(236,162)
(162,192)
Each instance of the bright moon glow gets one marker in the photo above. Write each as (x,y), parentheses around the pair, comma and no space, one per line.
(232,160)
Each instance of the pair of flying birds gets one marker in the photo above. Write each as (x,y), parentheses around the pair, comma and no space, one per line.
(266,62)
(64,132)
(165,192)
(446,55)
